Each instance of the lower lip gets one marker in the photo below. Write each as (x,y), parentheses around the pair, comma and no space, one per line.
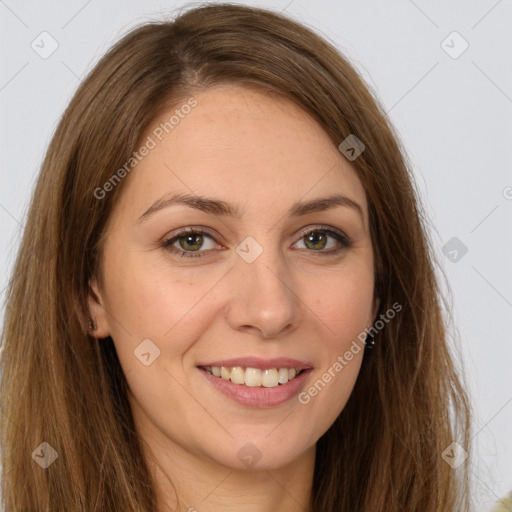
(260,397)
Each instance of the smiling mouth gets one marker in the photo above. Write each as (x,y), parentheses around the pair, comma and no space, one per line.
(254,377)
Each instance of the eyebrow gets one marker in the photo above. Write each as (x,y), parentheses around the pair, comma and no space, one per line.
(222,208)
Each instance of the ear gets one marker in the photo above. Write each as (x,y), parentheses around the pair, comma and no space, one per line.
(97,311)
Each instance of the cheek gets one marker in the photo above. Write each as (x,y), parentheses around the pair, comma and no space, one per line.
(154,300)
(343,303)
(168,311)
(327,394)
(343,308)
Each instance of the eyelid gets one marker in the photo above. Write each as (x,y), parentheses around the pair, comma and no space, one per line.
(191,229)
(328,229)
(200,230)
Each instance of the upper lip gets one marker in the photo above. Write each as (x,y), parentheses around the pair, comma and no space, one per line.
(258,362)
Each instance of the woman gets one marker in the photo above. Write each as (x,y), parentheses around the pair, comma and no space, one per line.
(225,297)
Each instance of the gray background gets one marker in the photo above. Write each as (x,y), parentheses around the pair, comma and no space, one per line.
(453,113)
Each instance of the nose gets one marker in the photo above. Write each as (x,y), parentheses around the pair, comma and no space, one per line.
(263,298)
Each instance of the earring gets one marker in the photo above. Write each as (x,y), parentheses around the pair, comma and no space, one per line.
(92,324)
(369,342)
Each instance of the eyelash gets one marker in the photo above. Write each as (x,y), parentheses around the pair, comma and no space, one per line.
(337,235)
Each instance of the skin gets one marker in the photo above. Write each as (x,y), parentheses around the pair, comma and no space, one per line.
(294,300)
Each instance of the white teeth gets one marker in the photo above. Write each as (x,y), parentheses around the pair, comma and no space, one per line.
(254,377)
(237,375)
(270,378)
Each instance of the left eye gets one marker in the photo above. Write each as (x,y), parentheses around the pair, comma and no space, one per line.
(319,237)
(191,240)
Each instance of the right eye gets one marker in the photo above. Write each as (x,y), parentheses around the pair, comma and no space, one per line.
(189,240)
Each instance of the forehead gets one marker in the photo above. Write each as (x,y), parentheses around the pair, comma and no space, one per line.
(244,146)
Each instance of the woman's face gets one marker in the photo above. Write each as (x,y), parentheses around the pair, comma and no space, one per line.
(270,288)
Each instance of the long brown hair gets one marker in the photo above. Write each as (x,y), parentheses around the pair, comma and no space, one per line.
(61,386)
